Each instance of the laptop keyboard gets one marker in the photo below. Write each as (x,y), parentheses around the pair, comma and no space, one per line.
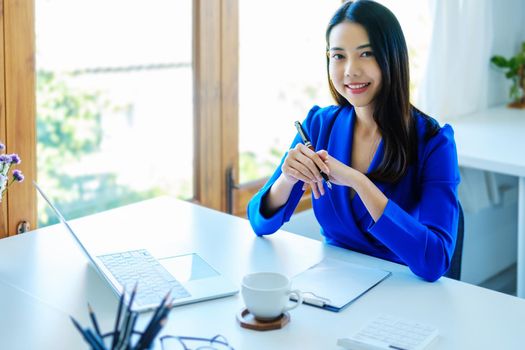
(154,281)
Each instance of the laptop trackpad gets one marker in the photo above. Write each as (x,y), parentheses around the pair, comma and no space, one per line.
(188,267)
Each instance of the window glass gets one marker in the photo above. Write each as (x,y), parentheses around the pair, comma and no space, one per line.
(414,18)
(282,74)
(114,102)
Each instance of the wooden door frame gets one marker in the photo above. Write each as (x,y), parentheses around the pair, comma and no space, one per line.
(17,108)
(215,79)
(216,113)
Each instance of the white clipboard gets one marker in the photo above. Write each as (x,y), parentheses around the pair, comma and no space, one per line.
(334,284)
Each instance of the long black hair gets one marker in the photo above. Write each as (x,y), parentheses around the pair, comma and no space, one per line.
(392,108)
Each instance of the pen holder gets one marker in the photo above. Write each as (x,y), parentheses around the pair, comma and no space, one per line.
(124,336)
(109,338)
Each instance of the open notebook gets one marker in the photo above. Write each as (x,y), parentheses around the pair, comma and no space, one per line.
(333,284)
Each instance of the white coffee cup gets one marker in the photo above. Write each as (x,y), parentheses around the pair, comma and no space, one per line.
(267,294)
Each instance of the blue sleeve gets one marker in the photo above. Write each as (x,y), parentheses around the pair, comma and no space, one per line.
(261,224)
(426,244)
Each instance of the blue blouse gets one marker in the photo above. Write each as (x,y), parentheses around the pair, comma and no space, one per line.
(419,224)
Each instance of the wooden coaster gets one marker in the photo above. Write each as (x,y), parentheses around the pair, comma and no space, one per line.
(247,320)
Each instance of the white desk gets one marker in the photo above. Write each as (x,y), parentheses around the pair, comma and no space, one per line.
(494,140)
(44,278)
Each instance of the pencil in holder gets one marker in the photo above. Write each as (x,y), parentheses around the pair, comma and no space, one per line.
(124,335)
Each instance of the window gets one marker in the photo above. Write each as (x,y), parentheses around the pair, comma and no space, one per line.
(282,74)
(414,18)
(114,102)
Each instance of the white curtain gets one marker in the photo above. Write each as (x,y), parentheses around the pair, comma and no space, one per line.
(458,77)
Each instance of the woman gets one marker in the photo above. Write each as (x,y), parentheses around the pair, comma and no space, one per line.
(394,169)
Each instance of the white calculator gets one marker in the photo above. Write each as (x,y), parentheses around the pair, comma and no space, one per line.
(390,333)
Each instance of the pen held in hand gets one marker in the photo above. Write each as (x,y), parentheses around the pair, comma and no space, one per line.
(308,144)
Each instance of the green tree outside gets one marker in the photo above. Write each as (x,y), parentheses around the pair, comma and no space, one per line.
(69,127)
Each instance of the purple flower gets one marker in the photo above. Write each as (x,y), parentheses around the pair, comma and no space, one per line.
(18,176)
(4,158)
(2,146)
(15,159)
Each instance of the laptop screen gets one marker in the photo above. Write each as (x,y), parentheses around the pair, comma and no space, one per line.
(63,220)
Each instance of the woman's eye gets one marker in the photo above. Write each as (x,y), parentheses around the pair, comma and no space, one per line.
(337,56)
(367,54)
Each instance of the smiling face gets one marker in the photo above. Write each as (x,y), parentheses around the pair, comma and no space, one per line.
(353,69)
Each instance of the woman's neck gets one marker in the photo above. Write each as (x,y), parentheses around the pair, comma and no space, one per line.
(365,120)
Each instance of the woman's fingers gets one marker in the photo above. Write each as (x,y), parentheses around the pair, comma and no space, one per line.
(300,166)
(315,190)
(315,158)
(323,155)
(305,165)
(312,160)
(320,187)
(296,174)
(309,168)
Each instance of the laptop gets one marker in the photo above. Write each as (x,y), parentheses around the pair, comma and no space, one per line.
(188,277)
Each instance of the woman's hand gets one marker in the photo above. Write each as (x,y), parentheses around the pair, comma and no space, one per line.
(374,200)
(303,164)
(340,173)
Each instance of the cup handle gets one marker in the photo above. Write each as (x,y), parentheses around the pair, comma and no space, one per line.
(299,299)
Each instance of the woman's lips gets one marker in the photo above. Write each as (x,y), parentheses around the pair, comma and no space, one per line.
(357,88)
